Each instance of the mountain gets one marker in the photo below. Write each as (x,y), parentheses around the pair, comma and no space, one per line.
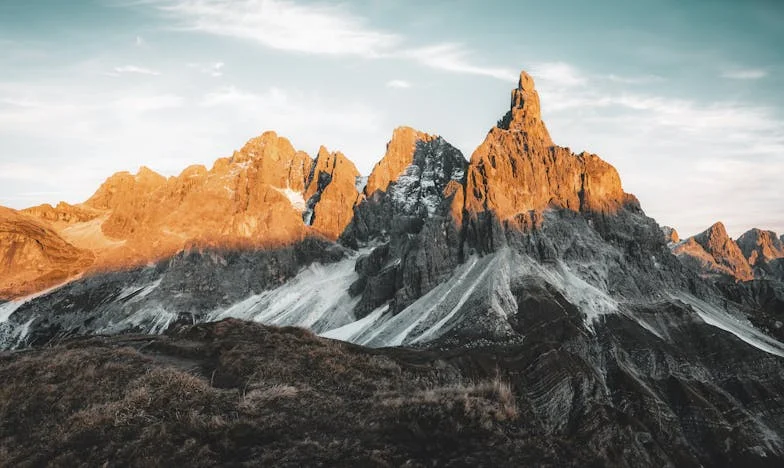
(527,262)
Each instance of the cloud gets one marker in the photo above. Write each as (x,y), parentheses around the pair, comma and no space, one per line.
(398,84)
(559,74)
(135,69)
(147,103)
(140,41)
(282,25)
(315,29)
(214,69)
(88,130)
(286,109)
(745,74)
(454,58)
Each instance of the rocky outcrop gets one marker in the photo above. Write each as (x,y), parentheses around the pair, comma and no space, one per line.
(33,257)
(62,213)
(712,253)
(254,199)
(518,170)
(331,193)
(399,155)
(760,247)
(670,235)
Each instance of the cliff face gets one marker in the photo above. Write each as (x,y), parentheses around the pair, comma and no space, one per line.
(331,193)
(712,252)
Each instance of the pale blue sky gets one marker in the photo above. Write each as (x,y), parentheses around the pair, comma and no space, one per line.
(685,100)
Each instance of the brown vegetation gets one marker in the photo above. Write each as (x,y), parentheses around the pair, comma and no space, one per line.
(242,394)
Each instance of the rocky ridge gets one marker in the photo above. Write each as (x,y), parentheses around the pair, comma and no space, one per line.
(529,260)
(254,199)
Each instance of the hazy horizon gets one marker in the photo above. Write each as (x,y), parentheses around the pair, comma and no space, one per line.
(685,101)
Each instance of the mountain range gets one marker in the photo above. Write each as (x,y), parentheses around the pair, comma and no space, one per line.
(527,261)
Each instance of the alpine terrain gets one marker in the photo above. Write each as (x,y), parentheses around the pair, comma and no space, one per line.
(517,307)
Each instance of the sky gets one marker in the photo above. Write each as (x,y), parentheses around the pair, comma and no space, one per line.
(685,99)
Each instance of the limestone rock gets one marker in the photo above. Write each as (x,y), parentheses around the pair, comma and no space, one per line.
(759,246)
(62,213)
(399,155)
(712,252)
(331,193)
(34,257)
(517,168)
(670,235)
(417,213)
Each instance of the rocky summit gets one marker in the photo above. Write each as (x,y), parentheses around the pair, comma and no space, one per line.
(513,308)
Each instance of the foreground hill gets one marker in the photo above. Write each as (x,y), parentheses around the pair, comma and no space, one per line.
(235,393)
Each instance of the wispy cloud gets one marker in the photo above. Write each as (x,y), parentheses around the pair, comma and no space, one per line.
(399,84)
(214,69)
(282,25)
(454,58)
(558,74)
(135,69)
(292,109)
(745,74)
(316,29)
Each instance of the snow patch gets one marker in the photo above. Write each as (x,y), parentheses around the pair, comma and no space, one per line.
(152,319)
(360,183)
(295,198)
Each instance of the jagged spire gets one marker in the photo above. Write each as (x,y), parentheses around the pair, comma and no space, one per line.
(525,112)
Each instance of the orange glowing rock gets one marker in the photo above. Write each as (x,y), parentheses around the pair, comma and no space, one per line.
(33,256)
(517,168)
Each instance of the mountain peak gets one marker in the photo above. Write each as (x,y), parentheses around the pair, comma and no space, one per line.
(726,256)
(525,114)
(399,155)
(760,246)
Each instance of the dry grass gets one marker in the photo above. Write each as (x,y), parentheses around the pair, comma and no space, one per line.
(247,394)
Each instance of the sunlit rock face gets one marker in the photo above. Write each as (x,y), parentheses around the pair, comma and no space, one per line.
(712,253)
(518,169)
(670,235)
(759,246)
(33,256)
(257,198)
(331,193)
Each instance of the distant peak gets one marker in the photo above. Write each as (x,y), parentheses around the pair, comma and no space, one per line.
(717,229)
